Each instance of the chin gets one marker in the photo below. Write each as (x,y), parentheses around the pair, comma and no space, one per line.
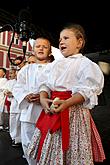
(40,58)
(65,55)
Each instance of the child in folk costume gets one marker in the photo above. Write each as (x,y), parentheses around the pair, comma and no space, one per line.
(3,81)
(8,91)
(15,112)
(27,94)
(66,133)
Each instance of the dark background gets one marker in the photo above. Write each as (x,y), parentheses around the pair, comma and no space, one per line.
(52,15)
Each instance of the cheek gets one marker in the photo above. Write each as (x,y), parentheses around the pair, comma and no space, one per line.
(46,52)
(59,47)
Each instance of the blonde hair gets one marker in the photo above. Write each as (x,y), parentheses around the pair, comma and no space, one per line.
(44,38)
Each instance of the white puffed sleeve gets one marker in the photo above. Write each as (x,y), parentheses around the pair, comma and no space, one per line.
(90,83)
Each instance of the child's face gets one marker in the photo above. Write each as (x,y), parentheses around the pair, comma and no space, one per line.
(42,49)
(2,74)
(12,74)
(68,43)
(32,59)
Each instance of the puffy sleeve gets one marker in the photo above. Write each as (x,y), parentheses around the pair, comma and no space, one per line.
(90,83)
(20,89)
(3,83)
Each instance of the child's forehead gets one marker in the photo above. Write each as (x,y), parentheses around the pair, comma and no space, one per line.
(2,71)
(67,32)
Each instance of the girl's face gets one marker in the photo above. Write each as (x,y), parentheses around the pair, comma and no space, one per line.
(68,43)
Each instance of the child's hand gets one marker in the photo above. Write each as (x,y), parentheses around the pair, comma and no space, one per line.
(45,102)
(33,98)
(8,93)
(54,103)
(58,105)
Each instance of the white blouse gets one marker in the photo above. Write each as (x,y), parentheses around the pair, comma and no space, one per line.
(76,73)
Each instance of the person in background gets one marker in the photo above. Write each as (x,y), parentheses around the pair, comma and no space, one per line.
(19,62)
(65,131)
(15,112)
(8,92)
(32,59)
(3,81)
(26,62)
(26,92)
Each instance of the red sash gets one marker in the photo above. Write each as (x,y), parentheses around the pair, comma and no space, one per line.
(53,122)
(7,103)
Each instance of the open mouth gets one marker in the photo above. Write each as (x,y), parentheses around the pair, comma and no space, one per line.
(63,48)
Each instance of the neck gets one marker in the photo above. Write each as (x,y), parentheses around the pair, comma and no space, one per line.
(42,62)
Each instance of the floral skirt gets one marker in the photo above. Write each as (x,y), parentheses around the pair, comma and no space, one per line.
(85,145)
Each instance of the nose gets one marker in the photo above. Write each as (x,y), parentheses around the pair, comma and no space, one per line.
(61,42)
(41,47)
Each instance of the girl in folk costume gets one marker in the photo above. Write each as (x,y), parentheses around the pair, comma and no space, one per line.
(69,135)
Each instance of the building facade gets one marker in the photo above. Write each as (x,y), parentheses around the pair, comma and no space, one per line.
(15,51)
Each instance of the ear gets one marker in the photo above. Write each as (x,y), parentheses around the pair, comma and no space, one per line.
(50,52)
(80,43)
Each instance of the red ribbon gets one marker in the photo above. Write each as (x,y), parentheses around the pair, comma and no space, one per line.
(54,122)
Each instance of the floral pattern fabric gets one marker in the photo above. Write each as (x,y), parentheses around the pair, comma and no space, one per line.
(85,145)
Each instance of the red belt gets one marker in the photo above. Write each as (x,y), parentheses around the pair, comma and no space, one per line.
(53,122)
